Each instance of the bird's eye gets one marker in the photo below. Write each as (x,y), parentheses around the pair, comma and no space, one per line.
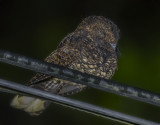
(113,45)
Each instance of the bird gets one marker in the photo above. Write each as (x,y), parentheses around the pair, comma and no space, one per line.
(91,48)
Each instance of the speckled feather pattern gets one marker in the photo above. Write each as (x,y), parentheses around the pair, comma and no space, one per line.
(88,49)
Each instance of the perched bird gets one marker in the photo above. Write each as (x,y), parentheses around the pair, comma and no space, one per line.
(91,48)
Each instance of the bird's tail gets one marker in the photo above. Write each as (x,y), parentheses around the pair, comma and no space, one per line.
(31,105)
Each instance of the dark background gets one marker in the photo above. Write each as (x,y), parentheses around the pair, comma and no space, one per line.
(35,27)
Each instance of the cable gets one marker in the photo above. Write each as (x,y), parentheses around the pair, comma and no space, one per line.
(79,77)
(110,114)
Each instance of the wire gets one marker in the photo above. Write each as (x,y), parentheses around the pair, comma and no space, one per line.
(110,114)
(79,77)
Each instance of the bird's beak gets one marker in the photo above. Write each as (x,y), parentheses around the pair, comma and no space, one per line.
(113,45)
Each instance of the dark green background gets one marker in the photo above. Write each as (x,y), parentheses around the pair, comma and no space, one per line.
(35,27)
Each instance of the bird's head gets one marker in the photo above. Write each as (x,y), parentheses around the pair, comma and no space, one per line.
(100,30)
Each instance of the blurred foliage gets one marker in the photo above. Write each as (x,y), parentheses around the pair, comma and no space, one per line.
(35,27)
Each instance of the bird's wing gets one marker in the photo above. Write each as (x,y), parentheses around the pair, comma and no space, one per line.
(64,56)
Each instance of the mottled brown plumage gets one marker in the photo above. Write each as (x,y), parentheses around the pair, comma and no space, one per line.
(91,48)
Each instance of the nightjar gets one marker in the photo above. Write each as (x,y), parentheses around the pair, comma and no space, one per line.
(91,48)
